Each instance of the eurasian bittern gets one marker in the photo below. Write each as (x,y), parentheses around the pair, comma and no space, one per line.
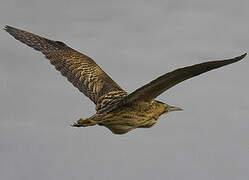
(116,109)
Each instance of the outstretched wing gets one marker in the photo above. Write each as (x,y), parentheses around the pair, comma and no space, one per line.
(79,69)
(153,89)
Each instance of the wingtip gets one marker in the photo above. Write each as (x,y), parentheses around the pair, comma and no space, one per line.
(238,58)
(242,56)
(7,28)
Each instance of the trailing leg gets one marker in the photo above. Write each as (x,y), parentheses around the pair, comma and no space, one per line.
(84,123)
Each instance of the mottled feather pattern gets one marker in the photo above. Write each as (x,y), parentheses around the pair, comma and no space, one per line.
(79,69)
(82,75)
(108,100)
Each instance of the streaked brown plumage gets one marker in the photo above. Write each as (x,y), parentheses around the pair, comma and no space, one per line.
(116,109)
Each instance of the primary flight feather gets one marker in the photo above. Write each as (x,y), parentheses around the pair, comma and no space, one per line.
(116,109)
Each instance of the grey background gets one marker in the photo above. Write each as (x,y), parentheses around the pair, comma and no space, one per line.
(135,42)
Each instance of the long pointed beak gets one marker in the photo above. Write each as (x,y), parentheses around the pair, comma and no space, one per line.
(173,108)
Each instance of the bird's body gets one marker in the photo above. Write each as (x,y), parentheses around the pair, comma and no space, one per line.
(130,116)
(116,109)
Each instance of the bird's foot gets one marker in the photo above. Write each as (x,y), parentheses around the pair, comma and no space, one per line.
(84,123)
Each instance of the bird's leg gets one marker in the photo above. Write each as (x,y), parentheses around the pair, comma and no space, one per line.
(84,123)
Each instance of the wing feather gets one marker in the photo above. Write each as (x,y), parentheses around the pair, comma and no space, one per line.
(79,69)
(156,87)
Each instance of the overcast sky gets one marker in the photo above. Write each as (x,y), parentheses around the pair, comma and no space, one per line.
(134,42)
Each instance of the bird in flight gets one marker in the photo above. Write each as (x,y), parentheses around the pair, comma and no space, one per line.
(115,108)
